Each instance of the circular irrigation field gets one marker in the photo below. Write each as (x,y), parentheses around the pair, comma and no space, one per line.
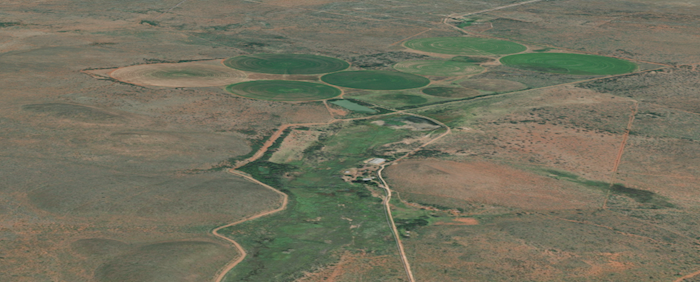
(286,64)
(178,75)
(567,63)
(375,80)
(438,67)
(283,90)
(465,46)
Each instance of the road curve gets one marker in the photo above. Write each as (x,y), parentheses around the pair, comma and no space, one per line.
(285,199)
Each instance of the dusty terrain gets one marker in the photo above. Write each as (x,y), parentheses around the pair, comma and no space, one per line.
(105,180)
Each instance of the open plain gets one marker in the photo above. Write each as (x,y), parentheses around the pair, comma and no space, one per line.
(356,140)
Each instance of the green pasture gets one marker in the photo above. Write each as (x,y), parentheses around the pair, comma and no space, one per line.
(286,64)
(355,107)
(394,99)
(451,92)
(375,80)
(465,46)
(567,63)
(325,216)
(283,90)
(438,67)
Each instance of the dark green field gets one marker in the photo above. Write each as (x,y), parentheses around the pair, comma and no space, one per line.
(566,63)
(286,64)
(375,80)
(465,46)
(283,90)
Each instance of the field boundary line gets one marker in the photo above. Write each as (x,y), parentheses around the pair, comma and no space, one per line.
(620,152)
(168,11)
(402,40)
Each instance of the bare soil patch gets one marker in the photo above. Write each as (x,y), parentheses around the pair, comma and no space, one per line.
(293,146)
(459,221)
(489,183)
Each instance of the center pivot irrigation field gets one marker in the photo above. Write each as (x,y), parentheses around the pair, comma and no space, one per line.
(375,80)
(286,64)
(567,63)
(438,67)
(178,75)
(283,90)
(465,46)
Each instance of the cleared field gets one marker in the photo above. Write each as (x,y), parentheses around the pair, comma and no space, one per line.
(566,63)
(487,183)
(178,75)
(286,64)
(375,80)
(438,67)
(465,46)
(495,85)
(283,90)
(450,92)
(293,146)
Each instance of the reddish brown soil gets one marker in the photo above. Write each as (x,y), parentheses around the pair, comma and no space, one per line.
(357,267)
(459,221)
(486,182)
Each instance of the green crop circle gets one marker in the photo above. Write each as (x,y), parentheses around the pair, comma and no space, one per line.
(286,64)
(438,67)
(375,80)
(465,46)
(283,90)
(566,63)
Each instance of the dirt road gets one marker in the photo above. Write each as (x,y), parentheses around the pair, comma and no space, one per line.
(285,199)
(387,199)
(621,151)
(453,16)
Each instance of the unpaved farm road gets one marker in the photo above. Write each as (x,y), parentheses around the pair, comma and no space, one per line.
(387,199)
(455,16)
(285,199)
(221,274)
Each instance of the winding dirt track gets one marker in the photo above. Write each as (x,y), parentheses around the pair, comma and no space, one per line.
(222,272)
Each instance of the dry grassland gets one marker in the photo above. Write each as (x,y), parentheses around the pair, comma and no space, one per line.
(488,183)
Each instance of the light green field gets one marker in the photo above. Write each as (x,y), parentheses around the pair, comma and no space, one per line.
(283,90)
(465,46)
(353,106)
(396,99)
(286,64)
(438,67)
(566,63)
